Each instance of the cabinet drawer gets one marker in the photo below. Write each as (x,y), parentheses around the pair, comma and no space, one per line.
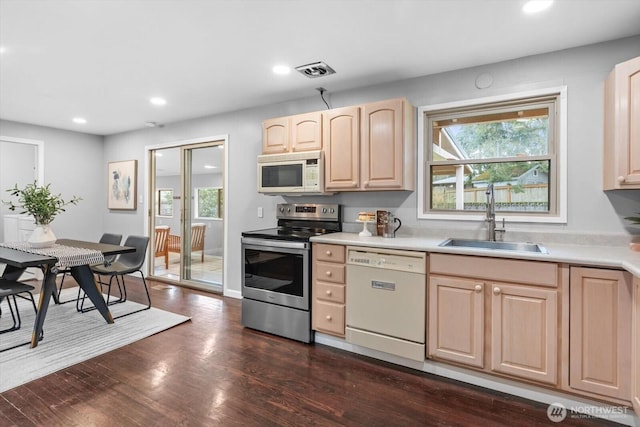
(499,269)
(328,272)
(329,292)
(329,317)
(329,253)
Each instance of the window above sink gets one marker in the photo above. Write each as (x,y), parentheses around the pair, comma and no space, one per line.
(516,142)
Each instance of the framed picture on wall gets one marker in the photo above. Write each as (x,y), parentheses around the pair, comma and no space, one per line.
(122,185)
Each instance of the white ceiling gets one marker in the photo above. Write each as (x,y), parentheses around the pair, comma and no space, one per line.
(104,59)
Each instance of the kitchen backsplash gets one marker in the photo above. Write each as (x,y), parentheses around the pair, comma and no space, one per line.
(513,234)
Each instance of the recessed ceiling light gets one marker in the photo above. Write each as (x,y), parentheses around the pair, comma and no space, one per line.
(210,167)
(534,6)
(79,120)
(281,69)
(158,101)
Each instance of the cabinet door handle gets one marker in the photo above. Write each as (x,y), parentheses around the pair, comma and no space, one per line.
(478,288)
(328,253)
(496,291)
(621,179)
(329,273)
(329,293)
(328,317)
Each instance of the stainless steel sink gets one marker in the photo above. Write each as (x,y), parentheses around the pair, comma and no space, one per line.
(487,244)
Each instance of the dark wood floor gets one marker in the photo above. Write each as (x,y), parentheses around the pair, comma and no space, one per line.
(213,372)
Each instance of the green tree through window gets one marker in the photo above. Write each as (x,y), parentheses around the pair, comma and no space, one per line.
(209,202)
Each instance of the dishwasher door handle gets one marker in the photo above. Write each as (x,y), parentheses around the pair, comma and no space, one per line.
(387,286)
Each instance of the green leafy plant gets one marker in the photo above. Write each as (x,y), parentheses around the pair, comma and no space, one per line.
(39,202)
(634,219)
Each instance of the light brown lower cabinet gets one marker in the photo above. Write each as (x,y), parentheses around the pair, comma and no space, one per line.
(513,325)
(456,320)
(524,331)
(329,292)
(600,332)
(636,345)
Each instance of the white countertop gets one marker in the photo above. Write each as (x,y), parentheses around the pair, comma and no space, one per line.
(621,257)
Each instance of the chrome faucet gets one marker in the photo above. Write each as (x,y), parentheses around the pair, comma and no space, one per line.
(491,215)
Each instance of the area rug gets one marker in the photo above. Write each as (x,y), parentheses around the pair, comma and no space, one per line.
(71,337)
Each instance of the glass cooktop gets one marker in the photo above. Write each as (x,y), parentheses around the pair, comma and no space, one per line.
(285,233)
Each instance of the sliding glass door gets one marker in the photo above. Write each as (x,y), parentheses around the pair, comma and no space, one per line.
(187,216)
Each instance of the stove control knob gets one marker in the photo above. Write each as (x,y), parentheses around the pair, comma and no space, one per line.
(281,209)
(324,210)
(331,210)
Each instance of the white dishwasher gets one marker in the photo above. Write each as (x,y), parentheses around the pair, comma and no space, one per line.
(386,300)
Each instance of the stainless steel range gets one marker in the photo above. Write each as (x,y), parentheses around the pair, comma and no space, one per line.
(276,284)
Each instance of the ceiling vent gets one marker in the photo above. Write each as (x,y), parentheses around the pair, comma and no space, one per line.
(316,69)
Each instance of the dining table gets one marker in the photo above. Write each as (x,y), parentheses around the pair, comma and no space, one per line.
(76,255)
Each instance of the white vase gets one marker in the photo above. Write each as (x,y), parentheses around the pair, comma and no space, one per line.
(42,237)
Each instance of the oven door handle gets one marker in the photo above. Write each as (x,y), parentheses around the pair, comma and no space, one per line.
(269,243)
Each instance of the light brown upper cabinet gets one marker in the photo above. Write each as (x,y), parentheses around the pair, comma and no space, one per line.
(366,147)
(342,149)
(370,147)
(387,146)
(275,135)
(302,132)
(622,127)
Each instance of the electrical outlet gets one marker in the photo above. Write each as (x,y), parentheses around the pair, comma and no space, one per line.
(260,212)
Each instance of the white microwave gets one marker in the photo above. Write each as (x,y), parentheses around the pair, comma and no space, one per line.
(291,173)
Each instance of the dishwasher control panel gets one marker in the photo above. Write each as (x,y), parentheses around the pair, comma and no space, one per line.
(388,259)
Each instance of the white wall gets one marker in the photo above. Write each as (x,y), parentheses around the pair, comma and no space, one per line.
(73,165)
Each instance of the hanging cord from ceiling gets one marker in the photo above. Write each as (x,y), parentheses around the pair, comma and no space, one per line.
(322,91)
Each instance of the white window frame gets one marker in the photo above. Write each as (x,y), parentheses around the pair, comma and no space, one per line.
(560,216)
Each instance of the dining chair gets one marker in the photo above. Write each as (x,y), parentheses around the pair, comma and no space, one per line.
(109,238)
(161,243)
(124,264)
(197,240)
(9,290)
